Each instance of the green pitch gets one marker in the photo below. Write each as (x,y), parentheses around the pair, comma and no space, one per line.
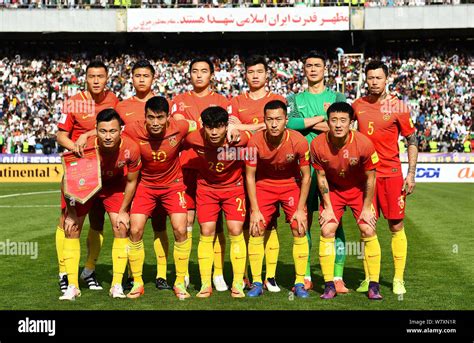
(439,270)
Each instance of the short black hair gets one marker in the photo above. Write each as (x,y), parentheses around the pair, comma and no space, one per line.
(376,64)
(97,64)
(157,104)
(275,105)
(143,64)
(343,107)
(254,60)
(201,59)
(314,54)
(214,116)
(107,115)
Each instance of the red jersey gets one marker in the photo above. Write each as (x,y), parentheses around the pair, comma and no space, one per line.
(382,122)
(218,167)
(80,112)
(112,165)
(250,111)
(191,106)
(132,109)
(345,167)
(160,156)
(278,166)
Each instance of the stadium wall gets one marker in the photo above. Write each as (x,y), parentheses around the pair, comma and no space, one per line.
(320,18)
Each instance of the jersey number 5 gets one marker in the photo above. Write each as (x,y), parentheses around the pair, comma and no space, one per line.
(370,131)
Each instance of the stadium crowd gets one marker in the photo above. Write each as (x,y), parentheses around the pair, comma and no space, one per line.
(437,86)
(216,3)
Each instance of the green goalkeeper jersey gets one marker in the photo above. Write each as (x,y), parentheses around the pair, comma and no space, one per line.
(307,105)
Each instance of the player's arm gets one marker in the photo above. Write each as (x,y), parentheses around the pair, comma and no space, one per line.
(327,215)
(367,215)
(296,120)
(409,184)
(130,188)
(255,215)
(322,126)
(300,215)
(82,140)
(62,137)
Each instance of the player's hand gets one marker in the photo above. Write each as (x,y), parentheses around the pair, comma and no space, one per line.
(80,144)
(70,225)
(301,218)
(123,219)
(409,184)
(326,216)
(368,216)
(233,135)
(257,223)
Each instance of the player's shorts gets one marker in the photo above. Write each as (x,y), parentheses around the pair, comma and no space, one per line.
(270,197)
(211,202)
(110,199)
(312,202)
(389,197)
(352,198)
(190,181)
(147,199)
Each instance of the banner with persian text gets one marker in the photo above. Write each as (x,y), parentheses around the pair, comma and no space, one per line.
(238,19)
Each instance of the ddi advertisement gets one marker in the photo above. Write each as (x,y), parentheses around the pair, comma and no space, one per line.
(31,172)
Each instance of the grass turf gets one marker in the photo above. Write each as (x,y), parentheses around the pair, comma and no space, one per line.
(439,268)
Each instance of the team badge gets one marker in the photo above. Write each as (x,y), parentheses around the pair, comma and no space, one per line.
(342,173)
(386,116)
(290,157)
(173,141)
(121,164)
(110,173)
(353,161)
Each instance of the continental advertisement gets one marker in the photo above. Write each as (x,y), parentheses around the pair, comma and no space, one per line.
(13,172)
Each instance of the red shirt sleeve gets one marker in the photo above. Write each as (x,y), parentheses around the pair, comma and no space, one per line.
(252,153)
(302,149)
(315,159)
(404,122)
(134,162)
(368,154)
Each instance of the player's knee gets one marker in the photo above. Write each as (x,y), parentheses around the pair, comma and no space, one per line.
(367,231)
(395,225)
(328,231)
(136,233)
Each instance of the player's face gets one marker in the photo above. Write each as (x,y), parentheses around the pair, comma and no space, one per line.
(314,70)
(256,76)
(339,124)
(96,80)
(156,122)
(216,135)
(142,79)
(275,121)
(108,134)
(377,81)
(200,75)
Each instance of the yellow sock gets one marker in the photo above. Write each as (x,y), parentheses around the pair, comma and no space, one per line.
(255,257)
(327,257)
(94,243)
(205,258)
(181,253)
(246,233)
(119,259)
(366,269)
(136,258)
(272,248)
(300,257)
(219,253)
(189,230)
(161,246)
(60,248)
(72,255)
(372,256)
(238,254)
(399,252)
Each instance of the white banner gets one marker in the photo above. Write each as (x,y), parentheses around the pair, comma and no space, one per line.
(238,19)
(442,172)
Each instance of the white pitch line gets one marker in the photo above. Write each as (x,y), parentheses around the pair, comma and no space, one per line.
(26,206)
(31,193)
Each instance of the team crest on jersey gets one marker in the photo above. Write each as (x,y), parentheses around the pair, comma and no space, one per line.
(173,141)
(290,157)
(353,161)
(110,173)
(121,164)
(386,116)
